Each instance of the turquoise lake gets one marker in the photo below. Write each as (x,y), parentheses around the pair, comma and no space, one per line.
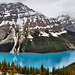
(48,60)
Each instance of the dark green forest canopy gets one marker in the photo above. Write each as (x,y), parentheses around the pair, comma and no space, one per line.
(48,44)
(43,44)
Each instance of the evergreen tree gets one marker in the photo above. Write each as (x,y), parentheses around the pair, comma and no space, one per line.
(8,64)
(4,67)
(34,71)
(63,72)
(13,67)
(31,70)
(53,70)
(12,64)
(42,69)
(28,70)
(47,72)
(16,67)
(20,70)
(5,64)
(25,70)
(58,71)
(0,65)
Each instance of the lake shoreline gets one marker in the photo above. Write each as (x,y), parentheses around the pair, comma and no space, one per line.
(38,53)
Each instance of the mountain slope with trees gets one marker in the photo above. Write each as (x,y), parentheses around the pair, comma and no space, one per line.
(24,30)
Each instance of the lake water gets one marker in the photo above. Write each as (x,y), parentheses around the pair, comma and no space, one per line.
(48,60)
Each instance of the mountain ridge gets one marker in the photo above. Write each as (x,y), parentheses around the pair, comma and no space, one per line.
(30,25)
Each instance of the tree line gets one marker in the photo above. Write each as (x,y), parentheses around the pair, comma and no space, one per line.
(14,69)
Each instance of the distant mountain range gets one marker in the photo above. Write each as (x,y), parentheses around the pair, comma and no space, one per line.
(19,23)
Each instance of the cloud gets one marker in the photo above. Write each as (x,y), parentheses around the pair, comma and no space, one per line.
(50,8)
(8,1)
(53,8)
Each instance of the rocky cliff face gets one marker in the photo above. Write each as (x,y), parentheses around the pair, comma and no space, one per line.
(19,22)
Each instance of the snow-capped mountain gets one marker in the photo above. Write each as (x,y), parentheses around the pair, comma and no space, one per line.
(15,8)
(18,21)
(21,15)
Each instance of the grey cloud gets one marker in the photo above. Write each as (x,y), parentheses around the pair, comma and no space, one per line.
(13,1)
(50,8)
(43,1)
(69,3)
(32,1)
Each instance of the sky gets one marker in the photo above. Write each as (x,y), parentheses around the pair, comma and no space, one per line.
(50,8)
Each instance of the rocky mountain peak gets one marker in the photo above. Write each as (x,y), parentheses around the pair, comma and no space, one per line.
(14,8)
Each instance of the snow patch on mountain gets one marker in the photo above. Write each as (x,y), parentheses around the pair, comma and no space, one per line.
(44,34)
(56,34)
